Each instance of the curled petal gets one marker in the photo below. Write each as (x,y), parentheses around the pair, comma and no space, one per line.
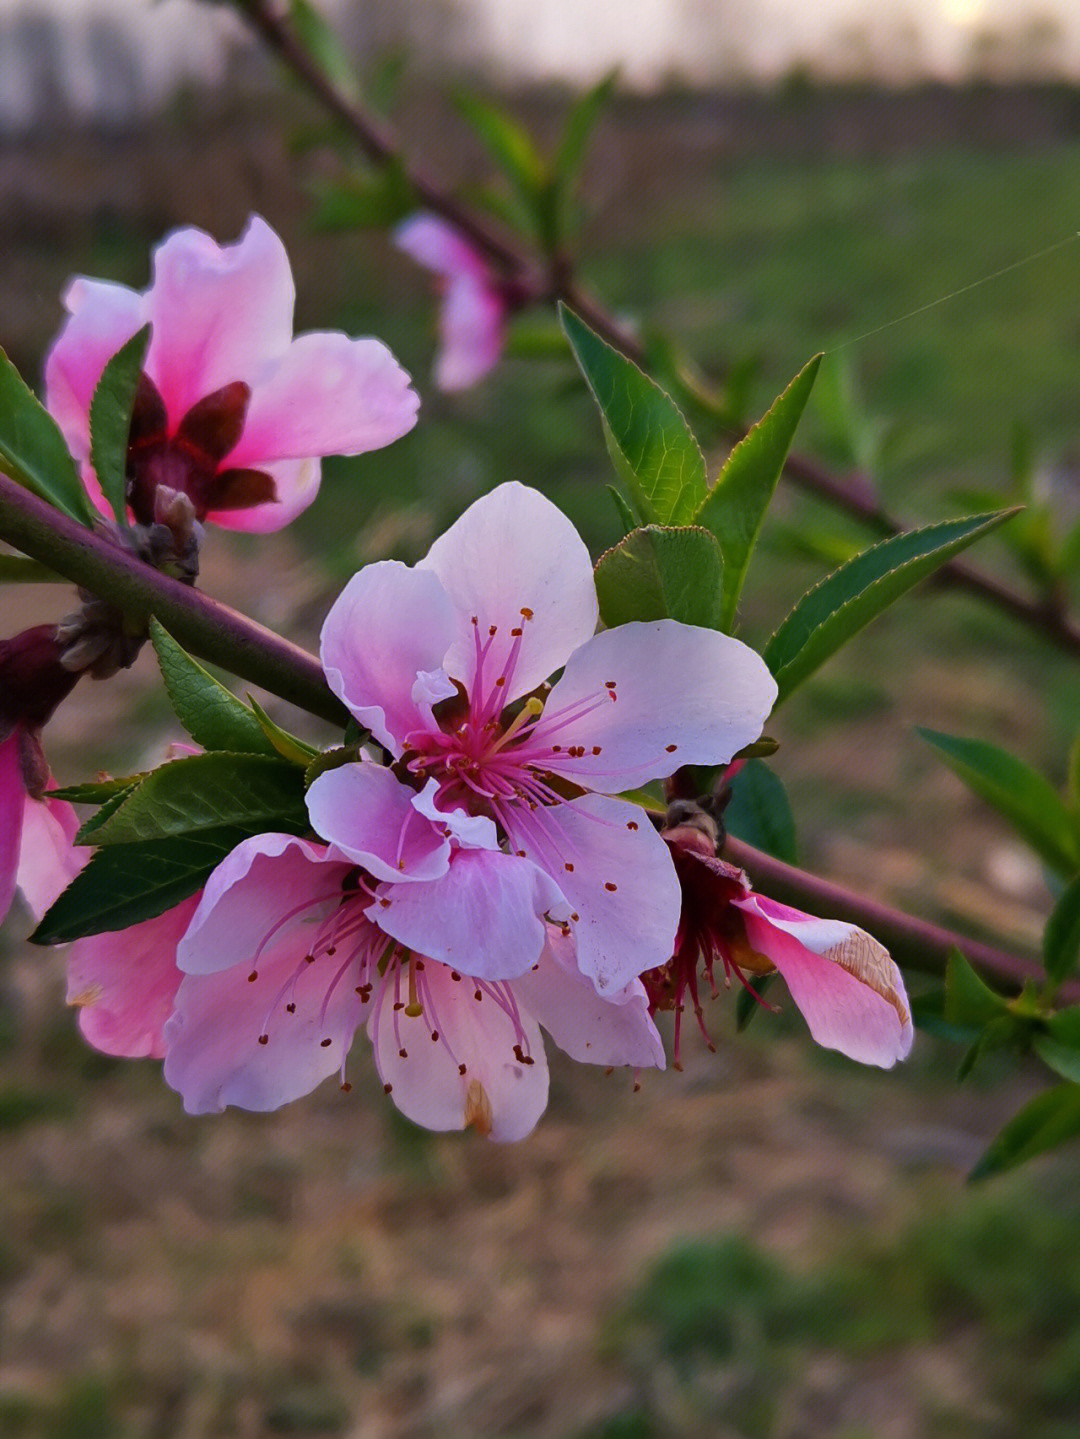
(514,561)
(614,1030)
(328,395)
(124,984)
(850,992)
(369,817)
(388,625)
(220,313)
(269,883)
(681,695)
(473,329)
(485,917)
(48,859)
(618,879)
(499,1094)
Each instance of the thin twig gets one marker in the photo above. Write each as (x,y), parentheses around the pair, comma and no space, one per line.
(852,493)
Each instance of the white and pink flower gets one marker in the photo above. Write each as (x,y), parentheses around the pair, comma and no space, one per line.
(502,784)
(232,410)
(475,305)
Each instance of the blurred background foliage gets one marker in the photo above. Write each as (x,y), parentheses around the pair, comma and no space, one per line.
(770,1244)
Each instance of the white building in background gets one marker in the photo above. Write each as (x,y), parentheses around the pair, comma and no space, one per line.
(114,60)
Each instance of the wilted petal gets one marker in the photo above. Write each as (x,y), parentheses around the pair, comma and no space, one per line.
(220,312)
(682,695)
(850,992)
(102,318)
(498,1094)
(615,1030)
(515,562)
(485,917)
(329,395)
(48,859)
(369,817)
(389,623)
(124,983)
(473,329)
(618,878)
(269,883)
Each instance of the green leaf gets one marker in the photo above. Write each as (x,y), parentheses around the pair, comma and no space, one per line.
(1061,938)
(110,420)
(362,201)
(296,751)
(323,45)
(759,812)
(661,573)
(626,514)
(33,451)
(125,885)
(98,791)
(509,143)
(1023,796)
(735,507)
(1059,1046)
(580,123)
(846,601)
(212,716)
(1073,781)
(208,792)
(649,441)
(968,1000)
(1050,1119)
(22,570)
(108,807)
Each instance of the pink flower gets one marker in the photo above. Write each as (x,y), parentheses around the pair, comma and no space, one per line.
(850,992)
(282,964)
(36,833)
(232,411)
(446,663)
(475,304)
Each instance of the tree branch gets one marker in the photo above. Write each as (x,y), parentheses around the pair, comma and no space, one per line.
(852,494)
(206,627)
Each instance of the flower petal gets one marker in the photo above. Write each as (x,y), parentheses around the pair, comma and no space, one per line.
(437,246)
(220,313)
(389,624)
(618,877)
(683,695)
(368,816)
(296,483)
(102,317)
(124,983)
(850,992)
(498,1094)
(269,883)
(485,917)
(13,800)
(215,1051)
(472,325)
(328,395)
(614,1030)
(48,859)
(514,561)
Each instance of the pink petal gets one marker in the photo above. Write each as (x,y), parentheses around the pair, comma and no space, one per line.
(102,317)
(498,1093)
(473,329)
(369,817)
(328,395)
(614,1030)
(12,807)
(485,917)
(683,695)
(213,1052)
(220,313)
(512,555)
(296,483)
(389,624)
(437,246)
(618,878)
(268,880)
(48,860)
(850,992)
(124,983)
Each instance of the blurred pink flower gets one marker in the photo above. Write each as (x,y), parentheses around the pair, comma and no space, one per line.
(475,304)
(282,964)
(232,410)
(446,663)
(848,989)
